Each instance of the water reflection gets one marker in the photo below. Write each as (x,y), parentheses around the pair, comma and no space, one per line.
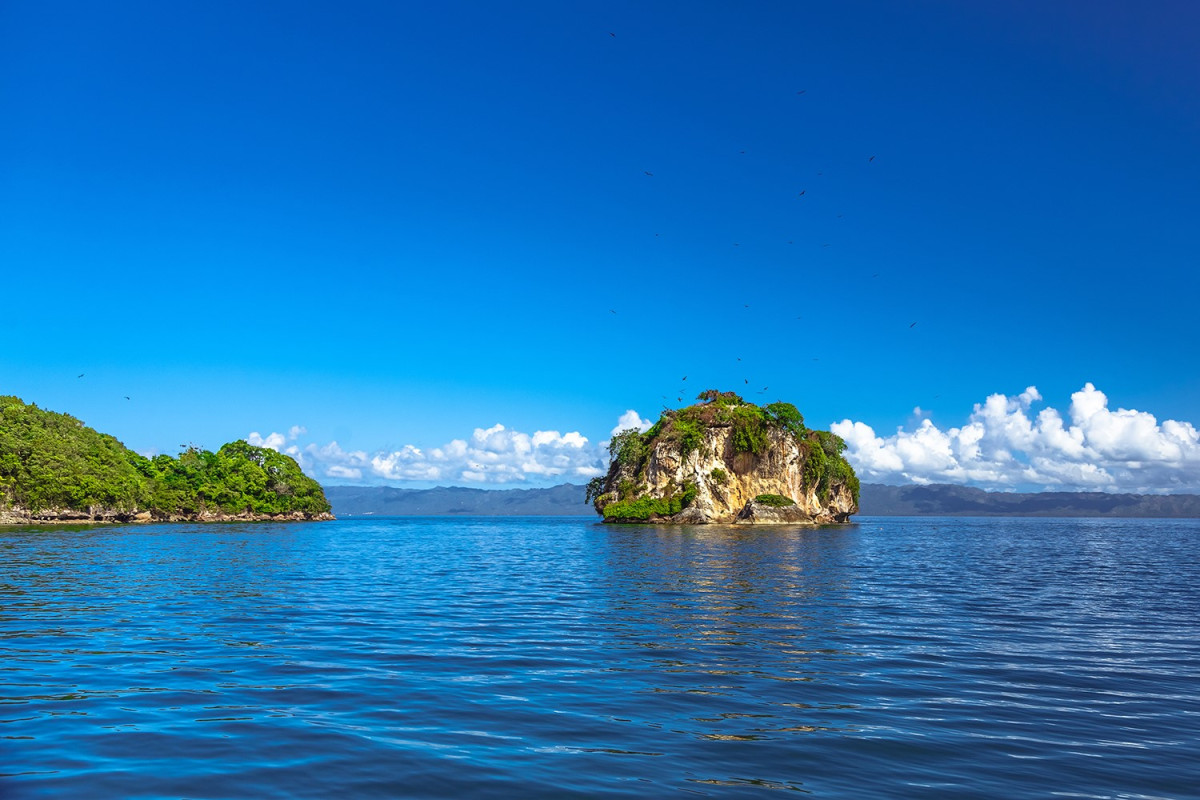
(740,625)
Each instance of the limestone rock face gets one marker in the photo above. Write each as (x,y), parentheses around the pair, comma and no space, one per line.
(723,483)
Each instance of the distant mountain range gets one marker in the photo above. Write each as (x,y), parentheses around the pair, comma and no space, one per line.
(557,501)
(942,500)
(936,500)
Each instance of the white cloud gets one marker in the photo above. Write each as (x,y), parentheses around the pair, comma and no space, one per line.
(496,455)
(273,441)
(492,455)
(631,419)
(1004,445)
(338,471)
(295,432)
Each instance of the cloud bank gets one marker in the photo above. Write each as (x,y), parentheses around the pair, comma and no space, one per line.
(494,455)
(1005,445)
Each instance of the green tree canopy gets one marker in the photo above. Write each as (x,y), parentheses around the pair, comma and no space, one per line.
(53,461)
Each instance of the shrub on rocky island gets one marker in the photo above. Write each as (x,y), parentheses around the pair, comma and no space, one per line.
(774,500)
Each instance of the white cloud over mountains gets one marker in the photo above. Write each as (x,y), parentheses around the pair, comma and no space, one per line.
(1004,444)
(490,455)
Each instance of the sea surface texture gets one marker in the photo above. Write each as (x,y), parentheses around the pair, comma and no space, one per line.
(561,658)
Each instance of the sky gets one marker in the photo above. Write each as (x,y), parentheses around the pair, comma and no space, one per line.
(461,243)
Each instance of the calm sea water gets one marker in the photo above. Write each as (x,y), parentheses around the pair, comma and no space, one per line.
(516,658)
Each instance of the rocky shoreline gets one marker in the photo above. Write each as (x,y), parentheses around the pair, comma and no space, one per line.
(93,516)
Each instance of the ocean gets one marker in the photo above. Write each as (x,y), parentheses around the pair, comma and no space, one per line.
(561,658)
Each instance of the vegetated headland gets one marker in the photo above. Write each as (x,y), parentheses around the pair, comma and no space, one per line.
(55,469)
(725,460)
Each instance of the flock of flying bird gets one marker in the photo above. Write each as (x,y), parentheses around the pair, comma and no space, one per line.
(650,174)
(802,192)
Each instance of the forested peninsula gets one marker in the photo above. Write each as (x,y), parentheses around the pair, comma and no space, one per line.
(55,469)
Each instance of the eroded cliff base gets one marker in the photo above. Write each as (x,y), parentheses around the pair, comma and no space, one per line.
(108,516)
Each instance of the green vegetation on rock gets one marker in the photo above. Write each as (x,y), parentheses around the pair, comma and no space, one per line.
(775,500)
(627,447)
(826,466)
(52,461)
(642,508)
(685,427)
(633,506)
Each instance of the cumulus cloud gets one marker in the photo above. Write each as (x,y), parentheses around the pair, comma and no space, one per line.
(1004,444)
(631,419)
(274,441)
(338,471)
(495,455)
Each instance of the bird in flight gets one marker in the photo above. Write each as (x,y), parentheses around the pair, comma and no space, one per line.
(81,374)
(611,311)
(869,160)
(610,33)
(802,191)
(913,325)
(747,380)
(802,91)
(126,397)
(651,174)
(685,377)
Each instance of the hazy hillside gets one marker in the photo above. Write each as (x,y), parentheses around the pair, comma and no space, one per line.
(563,500)
(876,500)
(946,500)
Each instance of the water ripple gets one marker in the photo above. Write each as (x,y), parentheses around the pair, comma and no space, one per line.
(561,658)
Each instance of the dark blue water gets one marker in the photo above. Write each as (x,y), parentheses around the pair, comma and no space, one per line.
(516,658)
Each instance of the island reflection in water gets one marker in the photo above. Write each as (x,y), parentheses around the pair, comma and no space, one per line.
(721,609)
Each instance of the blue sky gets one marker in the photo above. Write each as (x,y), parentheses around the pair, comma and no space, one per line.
(394,224)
